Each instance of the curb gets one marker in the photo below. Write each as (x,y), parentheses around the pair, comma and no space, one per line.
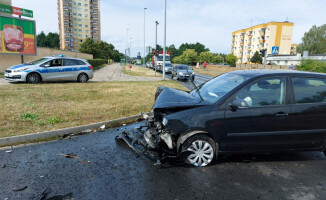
(60,132)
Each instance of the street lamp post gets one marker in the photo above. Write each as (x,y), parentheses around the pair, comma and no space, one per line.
(127,42)
(144,36)
(164,48)
(156,22)
(130,48)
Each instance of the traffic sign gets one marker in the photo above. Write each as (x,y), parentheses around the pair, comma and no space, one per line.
(275,50)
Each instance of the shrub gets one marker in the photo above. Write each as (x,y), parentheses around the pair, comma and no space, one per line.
(97,63)
(312,65)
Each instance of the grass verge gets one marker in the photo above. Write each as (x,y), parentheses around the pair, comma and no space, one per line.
(139,71)
(2,75)
(213,70)
(43,107)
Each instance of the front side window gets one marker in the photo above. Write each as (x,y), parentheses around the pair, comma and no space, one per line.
(264,92)
(53,63)
(309,90)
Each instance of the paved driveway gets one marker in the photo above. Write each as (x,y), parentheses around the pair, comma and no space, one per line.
(114,72)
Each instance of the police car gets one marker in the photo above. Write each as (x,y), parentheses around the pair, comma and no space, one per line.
(55,68)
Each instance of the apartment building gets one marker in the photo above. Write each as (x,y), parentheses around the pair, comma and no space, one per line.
(246,42)
(78,20)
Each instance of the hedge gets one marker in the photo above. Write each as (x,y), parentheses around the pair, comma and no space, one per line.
(312,66)
(97,63)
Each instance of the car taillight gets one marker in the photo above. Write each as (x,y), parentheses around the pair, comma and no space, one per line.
(90,67)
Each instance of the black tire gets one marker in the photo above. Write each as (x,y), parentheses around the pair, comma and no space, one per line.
(172,76)
(82,78)
(33,78)
(324,151)
(199,161)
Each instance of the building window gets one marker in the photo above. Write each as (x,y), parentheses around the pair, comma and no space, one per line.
(79,15)
(86,4)
(74,3)
(75,25)
(74,14)
(86,15)
(79,20)
(86,10)
(76,40)
(76,45)
(86,31)
(75,19)
(80,35)
(79,4)
(86,20)
(86,26)
(80,30)
(86,36)
(75,30)
(75,35)
(80,25)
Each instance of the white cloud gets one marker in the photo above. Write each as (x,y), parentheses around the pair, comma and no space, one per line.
(210,22)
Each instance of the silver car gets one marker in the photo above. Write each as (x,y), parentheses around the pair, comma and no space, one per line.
(51,69)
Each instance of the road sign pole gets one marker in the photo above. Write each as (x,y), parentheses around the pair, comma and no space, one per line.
(164,48)
(265,59)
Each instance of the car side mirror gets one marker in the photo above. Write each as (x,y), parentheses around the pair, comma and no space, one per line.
(238,103)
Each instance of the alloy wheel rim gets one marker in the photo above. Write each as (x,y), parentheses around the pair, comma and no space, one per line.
(203,153)
(32,78)
(83,78)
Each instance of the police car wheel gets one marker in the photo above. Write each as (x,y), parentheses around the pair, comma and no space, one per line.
(82,78)
(33,78)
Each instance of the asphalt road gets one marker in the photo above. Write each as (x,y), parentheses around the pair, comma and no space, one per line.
(106,169)
(199,79)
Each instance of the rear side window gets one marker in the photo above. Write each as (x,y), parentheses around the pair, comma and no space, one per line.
(80,62)
(70,62)
(309,90)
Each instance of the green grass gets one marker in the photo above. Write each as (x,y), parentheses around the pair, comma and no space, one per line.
(2,75)
(29,108)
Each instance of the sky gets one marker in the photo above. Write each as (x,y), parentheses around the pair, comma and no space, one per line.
(210,22)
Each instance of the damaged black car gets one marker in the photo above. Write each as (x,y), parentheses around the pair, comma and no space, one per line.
(240,112)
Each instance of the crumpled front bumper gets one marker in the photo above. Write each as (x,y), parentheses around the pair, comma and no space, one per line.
(135,139)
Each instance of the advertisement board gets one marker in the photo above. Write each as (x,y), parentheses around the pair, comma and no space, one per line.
(17,36)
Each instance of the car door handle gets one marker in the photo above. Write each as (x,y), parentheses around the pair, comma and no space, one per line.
(281,114)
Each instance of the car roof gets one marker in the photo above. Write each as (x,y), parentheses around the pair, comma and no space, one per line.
(59,57)
(263,72)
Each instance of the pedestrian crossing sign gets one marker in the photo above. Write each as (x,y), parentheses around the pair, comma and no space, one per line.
(275,50)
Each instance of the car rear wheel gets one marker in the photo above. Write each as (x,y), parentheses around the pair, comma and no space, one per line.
(33,78)
(203,148)
(82,78)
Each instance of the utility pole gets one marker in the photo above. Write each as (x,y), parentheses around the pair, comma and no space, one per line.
(144,37)
(127,43)
(164,47)
(156,22)
(265,59)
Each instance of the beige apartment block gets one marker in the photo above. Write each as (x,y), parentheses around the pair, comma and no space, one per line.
(246,42)
(78,20)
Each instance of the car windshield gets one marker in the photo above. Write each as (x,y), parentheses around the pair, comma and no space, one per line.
(168,65)
(183,67)
(167,58)
(216,88)
(34,62)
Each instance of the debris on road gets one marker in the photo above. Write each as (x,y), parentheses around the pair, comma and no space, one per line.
(102,127)
(42,196)
(87,131)
(11,166)
(73,156)
(9,151)
(19,189)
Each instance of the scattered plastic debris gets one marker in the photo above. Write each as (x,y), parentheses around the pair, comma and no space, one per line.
(102,127)
(73,156)
(11,166)
(9,151)
(19,189)
(124,124)
(87,131)
(89,162)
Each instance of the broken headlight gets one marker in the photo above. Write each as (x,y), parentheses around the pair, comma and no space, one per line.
(165,121)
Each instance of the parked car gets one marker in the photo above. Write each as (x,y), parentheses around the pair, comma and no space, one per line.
(149,64)
(254,111)
(182,72)
(51,69)
(168,68)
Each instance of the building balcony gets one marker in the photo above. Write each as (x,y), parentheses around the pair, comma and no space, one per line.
(240,56)
(249,43)
(249,49)
(262,33)
(241,38)
(241,44)
(232,45)
(248,56)
(249,36)
(260,48)
(232,40)
(261,41)
(241,50)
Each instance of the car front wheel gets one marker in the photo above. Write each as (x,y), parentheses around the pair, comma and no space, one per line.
(82,78)
(33,78)
(203,148)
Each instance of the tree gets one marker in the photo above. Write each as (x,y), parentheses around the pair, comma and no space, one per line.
(198,47)
(51,40)
(173,51)
(217,58)
(100,50)
(190,57)
(206,57)
(314,41)
(231,59)
(256,58)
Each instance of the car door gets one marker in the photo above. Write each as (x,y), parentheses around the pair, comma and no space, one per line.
(308,111)
(53,70)
(71,69)
(264,123)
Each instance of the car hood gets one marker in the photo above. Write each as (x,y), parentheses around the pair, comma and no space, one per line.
(185,71)
(20,66)
(173,98)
